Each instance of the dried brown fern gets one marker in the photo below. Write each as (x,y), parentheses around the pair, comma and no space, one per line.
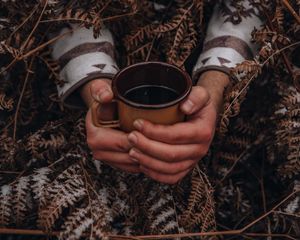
(6,104)
(5,205)
(66,190)
(49,144)
(20,200)
(200,209)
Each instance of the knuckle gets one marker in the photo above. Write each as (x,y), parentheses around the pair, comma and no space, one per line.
(98,155)
(201,152)
(205,151)
(122,146)
(198,152)
(91,143)
(174,169)
(207,134)
(172,156)
(178,137)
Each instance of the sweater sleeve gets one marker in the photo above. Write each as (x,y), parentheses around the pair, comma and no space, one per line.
(82,58)
(228,37)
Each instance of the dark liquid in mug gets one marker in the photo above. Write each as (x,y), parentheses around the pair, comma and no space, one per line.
(151,94)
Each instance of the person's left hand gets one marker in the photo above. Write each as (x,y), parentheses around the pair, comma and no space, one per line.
(167,153)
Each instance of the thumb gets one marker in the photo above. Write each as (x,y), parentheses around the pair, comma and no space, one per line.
(197,99)
(101,91)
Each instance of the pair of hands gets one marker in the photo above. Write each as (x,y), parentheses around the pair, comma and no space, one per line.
(166,153)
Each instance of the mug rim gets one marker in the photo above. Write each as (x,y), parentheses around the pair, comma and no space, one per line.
(152,106)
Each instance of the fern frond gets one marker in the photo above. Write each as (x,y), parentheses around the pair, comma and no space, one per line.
(6,103)
(67,189)
(5,205)
(54,69)
(102,216)
(278,18)
(248,68)
(76,224)
(139,53)
(290,168)
(165,221)
(200,209)
(21,189)
(141,34)
(39,180)
(174,23)
(78,16)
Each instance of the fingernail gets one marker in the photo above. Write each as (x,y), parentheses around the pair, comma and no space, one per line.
(133,155)
(102,94)
(188,106)
(132,152)
(134,160)
(138,124)
(106,93)
(132,138)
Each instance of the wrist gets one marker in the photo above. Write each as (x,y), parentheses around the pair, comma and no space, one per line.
(215,83)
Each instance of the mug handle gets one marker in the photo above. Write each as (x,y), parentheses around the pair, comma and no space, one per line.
(95,107)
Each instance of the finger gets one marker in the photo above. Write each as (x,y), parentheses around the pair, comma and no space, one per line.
(166,152)
(106,139)
(164,178)
(196,100)
(198,131)
(114,157)
(125,167)
(160,166)
(101,91)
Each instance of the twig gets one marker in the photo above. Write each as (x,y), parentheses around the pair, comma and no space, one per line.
(292,11)
(217,233)
(104,7)
(25,20)
(35,26)
(113,18)
(8,66)
(38,48)
(263,194)
(241,231)
(285,59)
(269,212)
(156,35)
(13,231)
(9,172)
(288,214)
(33,51)
(281,236)
(27,232)
(20,98)
(57,161)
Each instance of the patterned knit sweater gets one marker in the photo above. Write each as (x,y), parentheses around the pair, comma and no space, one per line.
(228,42)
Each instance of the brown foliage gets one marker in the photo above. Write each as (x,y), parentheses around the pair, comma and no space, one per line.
(47,172)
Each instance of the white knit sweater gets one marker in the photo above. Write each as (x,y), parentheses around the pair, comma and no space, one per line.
(83,57)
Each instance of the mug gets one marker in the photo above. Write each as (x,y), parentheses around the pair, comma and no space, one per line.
(147,90)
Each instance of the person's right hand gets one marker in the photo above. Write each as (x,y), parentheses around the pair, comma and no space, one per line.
(107,145)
